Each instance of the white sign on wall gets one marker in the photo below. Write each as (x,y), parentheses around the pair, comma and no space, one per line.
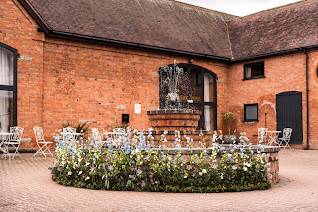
(25,58)
(138,108)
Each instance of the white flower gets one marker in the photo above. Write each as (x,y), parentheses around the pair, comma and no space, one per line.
(139,172)
(245,168)
(204,171)
(69,173)
(234,167)
(80,172)
(87,178)
(185,176)
(200,173)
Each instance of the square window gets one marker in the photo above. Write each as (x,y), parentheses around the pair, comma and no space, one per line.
(254,70)
(251,112)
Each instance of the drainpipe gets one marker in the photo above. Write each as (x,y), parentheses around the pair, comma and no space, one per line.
(307,97)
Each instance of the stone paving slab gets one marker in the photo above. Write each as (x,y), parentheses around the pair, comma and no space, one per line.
(25,185)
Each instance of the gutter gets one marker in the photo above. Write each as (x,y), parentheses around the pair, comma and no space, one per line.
(305,50)
(281,52)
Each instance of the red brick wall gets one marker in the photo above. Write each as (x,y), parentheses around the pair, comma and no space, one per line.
(282,74)
(19,31)
(313,99)
(99,83)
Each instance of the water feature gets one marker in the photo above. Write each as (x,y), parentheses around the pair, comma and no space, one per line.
(175,88)
(175,112)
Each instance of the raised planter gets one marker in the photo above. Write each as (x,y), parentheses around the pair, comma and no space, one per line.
(220,168)
(174,120)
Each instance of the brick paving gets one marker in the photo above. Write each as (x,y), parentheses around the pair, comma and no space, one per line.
(25,185)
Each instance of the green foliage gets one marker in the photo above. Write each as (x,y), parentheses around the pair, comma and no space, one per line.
(153,170)
(228,120)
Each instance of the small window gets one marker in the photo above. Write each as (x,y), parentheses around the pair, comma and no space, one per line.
(254,70)
(251,112)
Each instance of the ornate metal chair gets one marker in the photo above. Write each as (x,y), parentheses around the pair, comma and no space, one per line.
(284,141)
(262,135)
(119,136)
(96,137)
(14,142)
(43,145)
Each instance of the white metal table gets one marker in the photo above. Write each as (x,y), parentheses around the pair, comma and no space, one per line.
(273,137)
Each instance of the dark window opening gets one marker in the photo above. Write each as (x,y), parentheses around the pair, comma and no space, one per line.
(125,118)
(254,70)
(8,87)
(251,112)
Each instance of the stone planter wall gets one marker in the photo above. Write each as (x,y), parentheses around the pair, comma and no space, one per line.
(271,157)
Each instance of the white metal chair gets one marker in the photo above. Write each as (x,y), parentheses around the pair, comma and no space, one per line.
(262,135)
(119,136)
(96,137)
(13,142)
(284,141)
(44,146)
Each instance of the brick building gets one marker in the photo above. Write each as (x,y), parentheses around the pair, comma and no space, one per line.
(96,60)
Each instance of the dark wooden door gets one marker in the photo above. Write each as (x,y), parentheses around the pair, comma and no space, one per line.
(289,114)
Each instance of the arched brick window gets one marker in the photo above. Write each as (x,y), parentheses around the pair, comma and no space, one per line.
(8,87)
(199,86)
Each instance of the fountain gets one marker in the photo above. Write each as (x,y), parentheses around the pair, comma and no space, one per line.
(176,111)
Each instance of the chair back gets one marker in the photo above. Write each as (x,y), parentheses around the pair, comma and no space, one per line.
(119,131)
(16,134)
(262,135)
(39,134)
(96,135)
(119,136)
(287,132)
(69,134)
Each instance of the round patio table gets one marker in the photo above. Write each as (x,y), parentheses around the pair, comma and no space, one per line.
(273,137)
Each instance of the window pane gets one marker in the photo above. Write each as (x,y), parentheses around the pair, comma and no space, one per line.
(248,72)
(6,110)
(6,67)
(208,118)
(251,112)
(208,88)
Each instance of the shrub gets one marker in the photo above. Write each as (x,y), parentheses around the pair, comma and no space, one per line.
(229,119)
(157,170)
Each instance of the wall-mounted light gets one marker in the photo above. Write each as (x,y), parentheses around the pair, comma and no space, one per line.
(191,60)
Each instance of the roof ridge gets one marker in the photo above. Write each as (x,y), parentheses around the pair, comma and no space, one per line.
(273,8)
(228,35)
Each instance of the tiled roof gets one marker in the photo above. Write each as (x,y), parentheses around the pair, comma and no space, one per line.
(275,30)
(161,23)
(173,25)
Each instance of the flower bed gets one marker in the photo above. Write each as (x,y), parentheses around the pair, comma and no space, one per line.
(168,170)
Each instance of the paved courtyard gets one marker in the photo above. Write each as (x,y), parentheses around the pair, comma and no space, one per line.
(25,185)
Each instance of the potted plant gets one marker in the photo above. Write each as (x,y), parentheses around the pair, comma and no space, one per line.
(229,120)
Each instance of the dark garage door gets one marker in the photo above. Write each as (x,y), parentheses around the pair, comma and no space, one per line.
(289,114)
